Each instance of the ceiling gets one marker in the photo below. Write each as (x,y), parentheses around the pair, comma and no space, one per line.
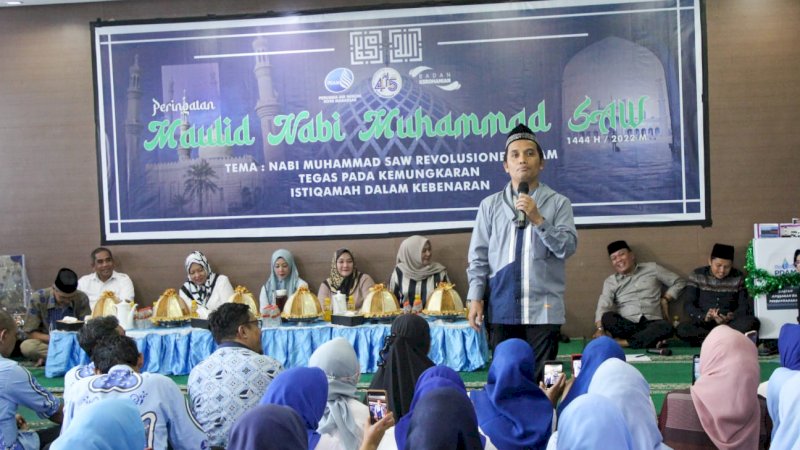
(5,3)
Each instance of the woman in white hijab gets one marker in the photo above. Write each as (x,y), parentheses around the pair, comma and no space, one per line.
(625,387)
(342,424)
(210,290)
(416,274)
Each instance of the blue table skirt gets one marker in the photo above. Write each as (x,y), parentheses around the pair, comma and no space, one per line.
(174,351)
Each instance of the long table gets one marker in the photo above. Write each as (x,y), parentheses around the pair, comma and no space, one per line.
(175,351)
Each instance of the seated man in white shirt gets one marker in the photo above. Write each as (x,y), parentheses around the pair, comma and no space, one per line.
(165,413)
(234,378)
(105,278)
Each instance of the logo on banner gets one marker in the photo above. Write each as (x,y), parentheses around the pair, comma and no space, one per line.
(402,45)
(427,76)
(784,267)
(387,82)
(339,80)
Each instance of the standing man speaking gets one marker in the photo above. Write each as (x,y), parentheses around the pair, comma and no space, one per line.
(522,236)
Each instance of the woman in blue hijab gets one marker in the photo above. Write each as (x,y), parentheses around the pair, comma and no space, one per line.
(592,422)
(432,378)
(444,420)
(283,275)
(110,424)
(598,350)
(512,409)
(268,427)
(789,349)
(625,387)
(305,390)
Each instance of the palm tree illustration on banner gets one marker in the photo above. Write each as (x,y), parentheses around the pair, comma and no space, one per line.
(199,182)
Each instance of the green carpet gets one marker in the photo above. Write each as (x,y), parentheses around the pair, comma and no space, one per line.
(664,373)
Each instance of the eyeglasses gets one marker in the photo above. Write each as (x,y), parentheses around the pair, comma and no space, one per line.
(258,321)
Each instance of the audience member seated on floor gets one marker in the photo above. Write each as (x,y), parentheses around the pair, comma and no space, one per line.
(345,279)
(105,278)
(233,378)
(722,410)
(109,424)
(305,390)
(789,350)
(91,333)
(433,378)
(787,420)
(591,422)
(207,288)
(596,353)
(402,360)
(162,407)
(444,420)
(19,387)
(513,411)
(344,417)
(625,387)
(632,307)
(47,306)
(283,275)
(268,427)
(416,274)
(715,294)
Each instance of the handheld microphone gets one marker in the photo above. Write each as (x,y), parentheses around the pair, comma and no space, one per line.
(522,220)
(659,351)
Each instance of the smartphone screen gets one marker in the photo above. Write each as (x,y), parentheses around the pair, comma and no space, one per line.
(576,365)
(552,370)
(378,405)
(695,368)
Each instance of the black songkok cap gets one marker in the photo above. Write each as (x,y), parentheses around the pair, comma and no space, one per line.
(617,246)
(722,251)
(66,281)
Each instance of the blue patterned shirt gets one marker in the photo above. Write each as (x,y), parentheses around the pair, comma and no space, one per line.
(226,385)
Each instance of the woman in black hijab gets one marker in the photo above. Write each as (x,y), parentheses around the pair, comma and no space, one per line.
(403,359)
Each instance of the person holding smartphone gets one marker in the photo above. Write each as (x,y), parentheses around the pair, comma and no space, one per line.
(715,295)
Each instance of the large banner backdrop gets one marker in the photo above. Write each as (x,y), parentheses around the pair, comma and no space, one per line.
(394,120)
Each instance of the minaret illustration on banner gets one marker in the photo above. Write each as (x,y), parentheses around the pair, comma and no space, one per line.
(267,106)
(133,126)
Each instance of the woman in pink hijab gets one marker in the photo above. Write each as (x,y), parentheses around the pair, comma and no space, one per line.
(722,410)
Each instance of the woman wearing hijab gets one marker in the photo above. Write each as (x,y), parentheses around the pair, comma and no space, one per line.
(208,289)
(403,359)
(346,279)
(344,417)
(626,388)
(268,427)
(789,350)
(305,390)
(109,424)
(723,403)
(787,435)
(512,409)
(444,420)
(596,352)
(591,422)
(415,273)
(283,275)
(433,378)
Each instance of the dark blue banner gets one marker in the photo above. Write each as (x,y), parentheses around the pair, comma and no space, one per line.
(394,121)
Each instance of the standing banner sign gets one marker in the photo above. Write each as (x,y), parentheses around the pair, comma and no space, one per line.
(776,256)
(394,120)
